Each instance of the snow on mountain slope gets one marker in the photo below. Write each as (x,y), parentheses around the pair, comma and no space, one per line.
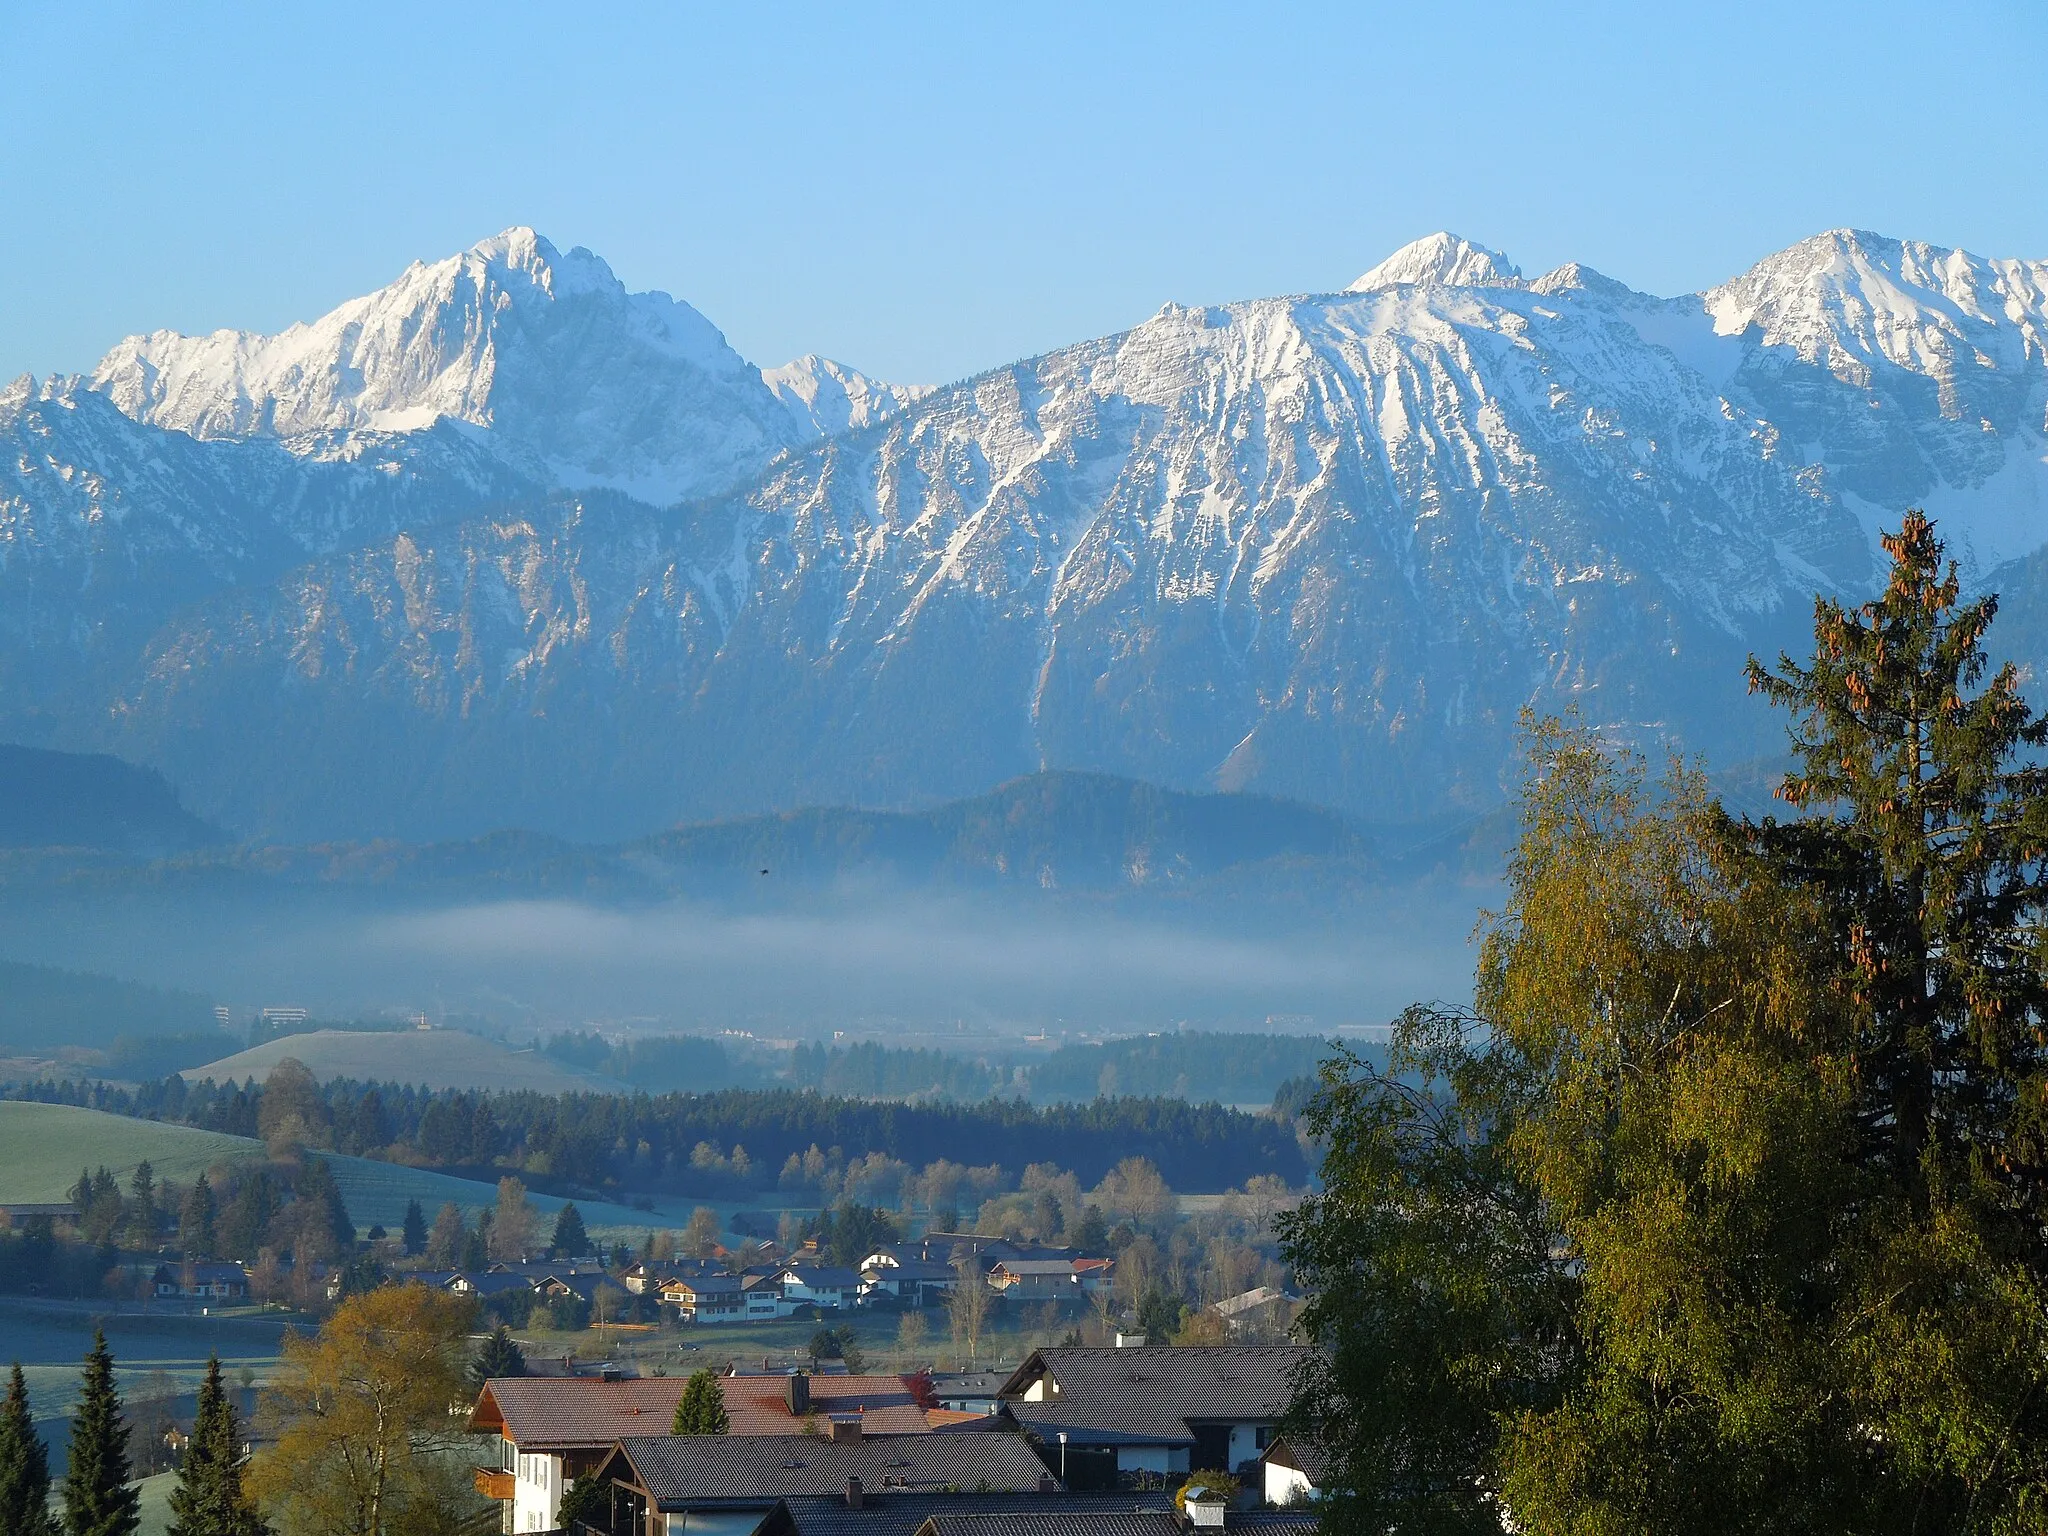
(1326,547)
(577,381)
(1323,547)
(1441,260)
(1915,375)
(824,397)
(108,526)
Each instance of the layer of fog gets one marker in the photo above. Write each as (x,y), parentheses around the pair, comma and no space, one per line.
(872,962)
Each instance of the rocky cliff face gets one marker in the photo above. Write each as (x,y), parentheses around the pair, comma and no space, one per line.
(1325,546)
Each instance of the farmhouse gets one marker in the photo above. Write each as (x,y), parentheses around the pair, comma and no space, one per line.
(202,1281)
(705,1299)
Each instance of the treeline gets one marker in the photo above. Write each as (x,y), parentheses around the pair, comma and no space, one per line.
(656,1063)
(42,1006)
(1195,1064)
(730,1141)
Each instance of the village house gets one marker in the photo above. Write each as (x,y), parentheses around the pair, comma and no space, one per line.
(202,1281)
(1293,1471)
(828,1287)
(715,1298)
(664,1485)
(1037,1280)
(1263,1312)
(1102,1416)
(483,1286)
(905,1280)
(550,1430)
(644,1275)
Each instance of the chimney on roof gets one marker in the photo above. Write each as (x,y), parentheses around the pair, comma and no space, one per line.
(1206,1507)
(1129,1340)
(853,1493)
(1047,1483)
(799,1394)
(845,1428)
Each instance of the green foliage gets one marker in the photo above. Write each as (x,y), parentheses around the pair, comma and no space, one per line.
(655,1063)
(607,1141)
(587,1499)
(570,1240)
(841,1343)
(498,1355)
(1206,1482)
(98,1500)
(327,1213)
(1725,1211)
(1159,1315)
(415,1229)
(701,1409)
(567,1314)
(24,1466)
(209,1499)
(196,1221)
(852,1231)
(42,1008)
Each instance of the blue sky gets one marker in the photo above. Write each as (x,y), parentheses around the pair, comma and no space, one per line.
(927,190)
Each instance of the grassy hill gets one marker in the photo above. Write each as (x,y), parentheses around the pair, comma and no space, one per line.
(439,1058)
(43,1147)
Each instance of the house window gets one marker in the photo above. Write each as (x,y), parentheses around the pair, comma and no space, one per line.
(1262,1436)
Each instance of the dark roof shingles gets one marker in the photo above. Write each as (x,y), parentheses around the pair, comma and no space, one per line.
(678,1468)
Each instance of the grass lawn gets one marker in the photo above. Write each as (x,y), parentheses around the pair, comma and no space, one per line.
(438,1058)
(156,1503)
(50,1340)
(43,1147)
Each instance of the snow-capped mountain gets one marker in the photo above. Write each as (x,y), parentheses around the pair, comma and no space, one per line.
(1326,546)
(578,382)
(826,397)
(1441,260)
(1914,375)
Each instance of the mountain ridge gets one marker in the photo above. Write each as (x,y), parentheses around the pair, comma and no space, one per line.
(1326,547)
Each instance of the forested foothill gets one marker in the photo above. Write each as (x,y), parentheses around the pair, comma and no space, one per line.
(1722,1209)
(728,1143)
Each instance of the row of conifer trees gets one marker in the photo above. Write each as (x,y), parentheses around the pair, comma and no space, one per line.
(97,1496)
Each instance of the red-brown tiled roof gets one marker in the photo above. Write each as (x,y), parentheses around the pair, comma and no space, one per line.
(759,1405)
(560,1412)
(565,1412)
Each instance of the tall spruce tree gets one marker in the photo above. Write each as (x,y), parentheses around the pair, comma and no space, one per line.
(415,1229)
(98,1500)
(1925,844)
(1929,842)
(701,1409)
(209,1499)
(499,1355)
(571,1239)
(24,1466)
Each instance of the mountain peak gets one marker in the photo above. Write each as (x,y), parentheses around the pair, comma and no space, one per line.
(523,250)
(1441,260)
(824,397)
(579,381)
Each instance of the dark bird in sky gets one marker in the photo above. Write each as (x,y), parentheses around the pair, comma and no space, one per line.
(764,871)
